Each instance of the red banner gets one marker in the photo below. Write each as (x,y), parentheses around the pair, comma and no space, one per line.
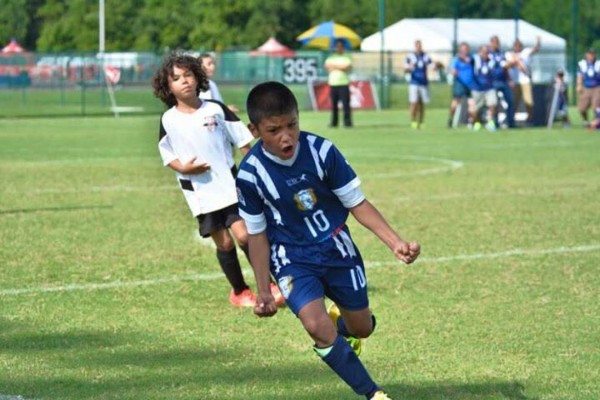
(362,95)
(113,75)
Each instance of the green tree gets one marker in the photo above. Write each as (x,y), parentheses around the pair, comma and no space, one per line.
(68,25)
(14,20)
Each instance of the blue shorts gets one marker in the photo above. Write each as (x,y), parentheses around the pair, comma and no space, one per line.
(459,90)
(301,283)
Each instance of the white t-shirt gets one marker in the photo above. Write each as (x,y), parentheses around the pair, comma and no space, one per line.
(524,56)
(212,93)
(204,134)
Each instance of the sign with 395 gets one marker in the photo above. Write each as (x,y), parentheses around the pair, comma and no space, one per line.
(300,69)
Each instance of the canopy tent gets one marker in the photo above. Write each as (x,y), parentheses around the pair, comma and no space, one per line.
(437,34)
(273,48)
(13,47)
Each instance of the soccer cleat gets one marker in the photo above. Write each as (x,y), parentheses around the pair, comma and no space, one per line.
(414,125)
(334,314)
(380,395)
(245,299)
(490,126)
(279,299)
(477,126)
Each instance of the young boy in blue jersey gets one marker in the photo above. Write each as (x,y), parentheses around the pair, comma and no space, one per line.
(483,93)
(295,191)
(418,88)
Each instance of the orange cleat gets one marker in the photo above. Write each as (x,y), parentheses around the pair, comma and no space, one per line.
(279,299)
(245,299)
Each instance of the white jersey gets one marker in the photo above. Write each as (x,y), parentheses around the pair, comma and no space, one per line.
(212,93)
(524,56)
(203,134)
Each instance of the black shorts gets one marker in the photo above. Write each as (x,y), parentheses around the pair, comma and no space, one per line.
(218,220)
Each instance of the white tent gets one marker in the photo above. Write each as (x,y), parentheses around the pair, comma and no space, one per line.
(437,36)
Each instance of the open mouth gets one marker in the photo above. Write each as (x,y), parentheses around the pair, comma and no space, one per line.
(287,151)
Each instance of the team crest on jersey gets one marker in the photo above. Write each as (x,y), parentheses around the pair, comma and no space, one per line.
(210,123)
(286,285)
(305,199)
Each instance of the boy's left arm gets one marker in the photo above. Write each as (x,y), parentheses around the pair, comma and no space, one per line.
(371,218)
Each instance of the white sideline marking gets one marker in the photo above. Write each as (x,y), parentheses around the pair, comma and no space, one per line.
(447,166)
(11,397)
(97,189)
(247,271)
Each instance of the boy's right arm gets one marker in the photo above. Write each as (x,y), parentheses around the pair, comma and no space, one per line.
(259,258)
(189,168)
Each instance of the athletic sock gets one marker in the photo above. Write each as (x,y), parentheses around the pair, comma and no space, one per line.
(231,268)
(343,361)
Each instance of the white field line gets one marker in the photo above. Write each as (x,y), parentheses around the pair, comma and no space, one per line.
(96,189)
(247,271)
(447,166)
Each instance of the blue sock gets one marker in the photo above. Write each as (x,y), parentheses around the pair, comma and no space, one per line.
(342,330)
(344,362)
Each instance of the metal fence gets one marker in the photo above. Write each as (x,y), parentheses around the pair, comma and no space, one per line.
(74,83)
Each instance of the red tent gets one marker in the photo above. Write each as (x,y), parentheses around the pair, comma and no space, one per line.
(13,47)
(273,48)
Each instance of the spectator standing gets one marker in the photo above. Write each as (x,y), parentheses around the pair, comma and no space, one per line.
(462,71)
(339,64)
(520,62)
(588,84)
(418,88)
(502,81)
(483,93)
(209,66)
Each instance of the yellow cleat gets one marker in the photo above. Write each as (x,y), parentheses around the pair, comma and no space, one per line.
(334,314)
(380,395)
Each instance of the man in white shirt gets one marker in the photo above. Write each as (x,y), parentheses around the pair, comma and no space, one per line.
(520,62)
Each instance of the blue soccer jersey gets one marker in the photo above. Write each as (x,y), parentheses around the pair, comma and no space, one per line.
(302,203)
(418,62)
(499,72)
(464,69)
(483,73)
(590,72)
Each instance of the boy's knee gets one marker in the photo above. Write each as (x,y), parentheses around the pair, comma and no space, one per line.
(224,244)
(242,239)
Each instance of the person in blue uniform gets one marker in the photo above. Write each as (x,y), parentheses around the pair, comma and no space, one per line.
(418,88)
(295,191)
(462,71)
(502,81)
(588,84)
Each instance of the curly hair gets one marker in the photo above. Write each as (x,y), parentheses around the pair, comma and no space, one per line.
(160,81)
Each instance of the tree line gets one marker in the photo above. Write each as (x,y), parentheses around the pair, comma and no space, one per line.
(157,25)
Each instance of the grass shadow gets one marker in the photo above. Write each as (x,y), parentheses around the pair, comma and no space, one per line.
(54,209)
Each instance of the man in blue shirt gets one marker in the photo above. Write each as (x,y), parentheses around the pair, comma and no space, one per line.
(295,192)
(483,93)
(418,88)
(502,81)
(588,84)
(462,71)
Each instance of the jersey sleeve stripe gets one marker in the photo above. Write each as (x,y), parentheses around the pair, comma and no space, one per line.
(315,155)
(254,223)
(246,176)
(264,176)
(324,150)
(348,187)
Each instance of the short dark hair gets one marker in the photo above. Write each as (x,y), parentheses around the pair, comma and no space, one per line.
(270,99)
(160,81)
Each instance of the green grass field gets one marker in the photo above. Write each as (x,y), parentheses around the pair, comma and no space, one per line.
(105,292)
